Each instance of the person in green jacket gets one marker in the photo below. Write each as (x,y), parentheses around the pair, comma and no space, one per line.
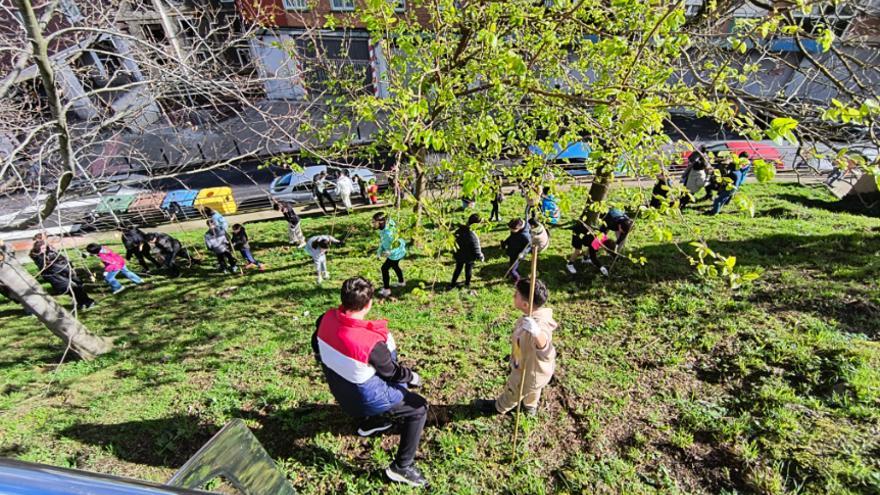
(392,248)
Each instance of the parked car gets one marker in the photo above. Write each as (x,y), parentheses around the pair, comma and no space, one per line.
(572,158)
(296,187)
(754,149)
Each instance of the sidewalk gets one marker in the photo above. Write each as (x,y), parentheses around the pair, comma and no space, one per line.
(22,246)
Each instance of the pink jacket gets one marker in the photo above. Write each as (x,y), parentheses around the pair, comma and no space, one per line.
(112,261)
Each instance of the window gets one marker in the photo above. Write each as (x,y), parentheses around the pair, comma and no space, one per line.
(295,5)
(692,7)
(155,34)
(70,10)
(342,5)
(284,182)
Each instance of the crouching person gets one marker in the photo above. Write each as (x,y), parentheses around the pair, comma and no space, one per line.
(359,360)
(532,353)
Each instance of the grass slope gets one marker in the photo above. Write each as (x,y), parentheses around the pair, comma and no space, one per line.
(666,383)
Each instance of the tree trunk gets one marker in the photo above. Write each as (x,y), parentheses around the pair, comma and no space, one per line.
(420,183)
(419,190)
(25,288)
(47,76)
(598,192)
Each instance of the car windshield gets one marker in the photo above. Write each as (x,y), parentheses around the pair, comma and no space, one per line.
(284,181)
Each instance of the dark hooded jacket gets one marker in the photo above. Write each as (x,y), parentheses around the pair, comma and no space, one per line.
(55,269)
(468,245)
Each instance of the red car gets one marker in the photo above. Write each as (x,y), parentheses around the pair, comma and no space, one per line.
(754,149)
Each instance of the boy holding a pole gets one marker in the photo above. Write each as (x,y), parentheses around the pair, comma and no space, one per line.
(532,358)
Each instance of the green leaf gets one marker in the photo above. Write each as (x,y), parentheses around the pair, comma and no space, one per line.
(764,171)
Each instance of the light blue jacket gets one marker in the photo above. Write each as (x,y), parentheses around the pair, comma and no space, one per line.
(390,243)
(220,221)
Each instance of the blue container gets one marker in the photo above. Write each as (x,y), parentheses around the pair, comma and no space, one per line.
(183,197)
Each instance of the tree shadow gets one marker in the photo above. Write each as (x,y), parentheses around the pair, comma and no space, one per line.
(865,205)
(169,442)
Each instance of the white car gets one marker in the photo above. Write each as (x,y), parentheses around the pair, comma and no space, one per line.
(296,187)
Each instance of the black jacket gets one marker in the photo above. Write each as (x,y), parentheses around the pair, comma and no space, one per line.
(613,220)
(516,243)
(240,239)
(660,192)
(291,216)
(468,245)
(55,269)
(133,239)
(166,244)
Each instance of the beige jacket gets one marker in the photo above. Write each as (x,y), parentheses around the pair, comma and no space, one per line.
(538,363)
(540,238)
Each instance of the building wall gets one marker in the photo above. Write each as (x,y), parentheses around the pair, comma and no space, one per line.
(273,13)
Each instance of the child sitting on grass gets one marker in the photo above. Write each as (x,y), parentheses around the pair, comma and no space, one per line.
(217,242)
(114,264)
(532,353)
(242,244)
(317,247)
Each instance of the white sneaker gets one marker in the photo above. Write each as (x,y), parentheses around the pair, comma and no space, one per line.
(604,271)
(571,269)
(399,284)
(384,292)
(326,275)
(117,291)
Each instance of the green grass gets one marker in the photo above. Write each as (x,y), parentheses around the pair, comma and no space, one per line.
(666,383)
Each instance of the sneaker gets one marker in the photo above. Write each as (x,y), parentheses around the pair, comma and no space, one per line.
(604,271)
(373,425)
(486,406)
(571,269)
(586,261)
(249,266)
(384,292)
(86,307)
(262,267)
(399,284)
(530,411)
(235,270)
(326,275)
(120,289)
(409,475)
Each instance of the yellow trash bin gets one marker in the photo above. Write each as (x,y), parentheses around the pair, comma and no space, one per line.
(219,199)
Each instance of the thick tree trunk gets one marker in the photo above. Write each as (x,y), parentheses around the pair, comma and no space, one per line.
(419,190)
(598,192)
(47,76)
(25,288)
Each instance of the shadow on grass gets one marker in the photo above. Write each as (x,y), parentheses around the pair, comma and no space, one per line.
(866,205)
(169,442)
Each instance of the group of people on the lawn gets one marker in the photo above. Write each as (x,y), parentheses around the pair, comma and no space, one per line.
(720,176)
(346,186)
(358,355)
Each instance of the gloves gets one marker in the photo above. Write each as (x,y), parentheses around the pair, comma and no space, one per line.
(604,271)
(531,326)
(416,380)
